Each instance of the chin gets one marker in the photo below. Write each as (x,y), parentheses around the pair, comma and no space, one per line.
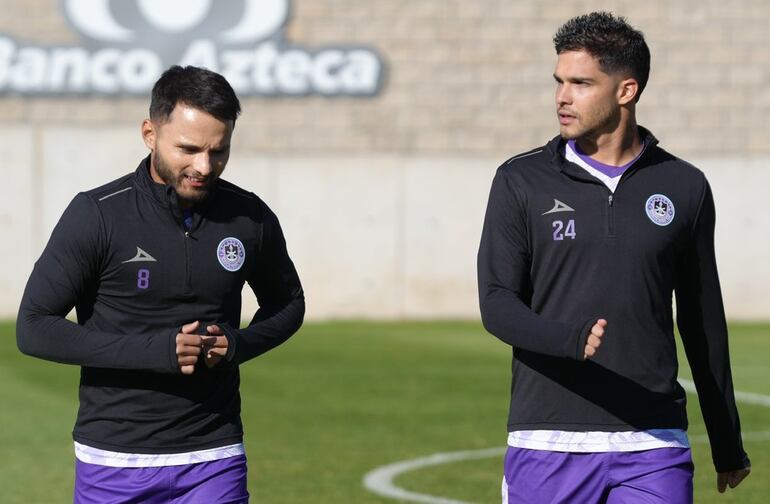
(194,197)
(572,133)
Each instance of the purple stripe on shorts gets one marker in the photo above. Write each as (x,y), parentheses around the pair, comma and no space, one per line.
(658,476)
(220,481)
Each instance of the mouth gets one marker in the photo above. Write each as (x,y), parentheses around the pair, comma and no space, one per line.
(566,118)
(196,182)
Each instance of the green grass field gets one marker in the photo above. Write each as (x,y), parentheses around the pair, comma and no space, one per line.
(340,399)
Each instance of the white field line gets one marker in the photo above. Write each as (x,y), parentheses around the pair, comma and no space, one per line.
(380,479)
(744,397)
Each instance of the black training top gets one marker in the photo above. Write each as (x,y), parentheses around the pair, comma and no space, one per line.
(122,257)
(559,251)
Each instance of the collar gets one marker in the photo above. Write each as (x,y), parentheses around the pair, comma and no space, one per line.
(164,194)
(557,146)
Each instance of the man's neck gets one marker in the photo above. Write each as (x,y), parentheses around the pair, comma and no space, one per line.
(615,148)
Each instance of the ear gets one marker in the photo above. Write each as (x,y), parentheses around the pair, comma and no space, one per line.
(149,133)
(627,91)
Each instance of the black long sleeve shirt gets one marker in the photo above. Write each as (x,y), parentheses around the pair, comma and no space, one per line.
(122,256)
(559,251)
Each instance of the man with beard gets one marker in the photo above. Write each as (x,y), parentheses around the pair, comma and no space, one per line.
(585,240)
(154,263)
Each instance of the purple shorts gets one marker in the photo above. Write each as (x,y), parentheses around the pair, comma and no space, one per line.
(221,481)
(659,476)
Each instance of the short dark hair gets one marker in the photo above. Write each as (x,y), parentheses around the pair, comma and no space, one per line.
(196,87)
(611,40)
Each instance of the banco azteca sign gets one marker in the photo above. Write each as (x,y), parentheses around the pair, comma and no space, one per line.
(128,43)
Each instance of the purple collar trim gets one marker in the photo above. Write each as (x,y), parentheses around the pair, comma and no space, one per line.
(609,170)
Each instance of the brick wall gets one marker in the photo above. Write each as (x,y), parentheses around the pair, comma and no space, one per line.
(474,77)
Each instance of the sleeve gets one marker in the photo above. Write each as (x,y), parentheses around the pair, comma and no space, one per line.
(280,297)
(702,325)
(67,275)
(505,286)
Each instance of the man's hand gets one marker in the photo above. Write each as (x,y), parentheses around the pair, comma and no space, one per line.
(732,478)
(594,339)
(188,347)
(215,345)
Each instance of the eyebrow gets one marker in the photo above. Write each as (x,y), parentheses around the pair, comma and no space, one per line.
(572,79)
(187,145)
(191,146)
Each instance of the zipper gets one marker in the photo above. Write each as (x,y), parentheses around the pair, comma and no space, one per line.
(610,216)
(187,261)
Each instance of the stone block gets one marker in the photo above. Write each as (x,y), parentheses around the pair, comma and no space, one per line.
(19,215)
(445,200)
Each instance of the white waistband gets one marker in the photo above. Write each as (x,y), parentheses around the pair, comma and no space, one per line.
(108,458)
(593,441)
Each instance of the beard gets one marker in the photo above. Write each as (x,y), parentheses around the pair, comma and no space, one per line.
(187,196)
(592,123)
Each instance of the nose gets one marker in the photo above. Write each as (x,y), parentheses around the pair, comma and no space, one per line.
(563,95)
(203,163)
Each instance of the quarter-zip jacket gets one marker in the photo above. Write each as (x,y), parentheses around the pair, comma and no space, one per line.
(559,251)
(122,257)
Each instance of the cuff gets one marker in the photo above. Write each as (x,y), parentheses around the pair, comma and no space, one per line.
(232,341)
(582,337)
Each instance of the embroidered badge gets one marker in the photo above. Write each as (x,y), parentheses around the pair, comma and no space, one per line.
(231,254)
(660,209)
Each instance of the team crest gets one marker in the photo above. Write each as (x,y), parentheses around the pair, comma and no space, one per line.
(231,254)
(660,209)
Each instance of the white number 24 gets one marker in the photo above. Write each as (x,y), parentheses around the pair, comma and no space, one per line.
(560,230)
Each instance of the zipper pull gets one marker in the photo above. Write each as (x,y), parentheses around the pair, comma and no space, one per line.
(610,199)
(186,234)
